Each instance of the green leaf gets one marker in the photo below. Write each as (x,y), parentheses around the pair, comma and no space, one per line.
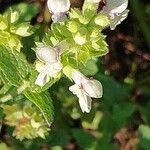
(113,91)
(22,65)
(7,67)
(26,11)
(90,68)
(85,140)
(120,116)
(144,133)
(44,102)
(55,27)
(55,138)
(13,66)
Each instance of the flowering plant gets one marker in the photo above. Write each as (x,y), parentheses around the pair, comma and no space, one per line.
(74,38)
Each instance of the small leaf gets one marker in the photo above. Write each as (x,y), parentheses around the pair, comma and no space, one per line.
(44,102)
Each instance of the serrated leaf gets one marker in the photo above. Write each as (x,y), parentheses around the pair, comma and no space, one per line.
(5,89)
(22,64)
(13,66)
(8,69)
(44,102)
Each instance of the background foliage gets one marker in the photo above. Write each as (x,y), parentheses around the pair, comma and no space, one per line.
(121,119)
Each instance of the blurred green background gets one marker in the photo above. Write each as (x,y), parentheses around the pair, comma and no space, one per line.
(118,121)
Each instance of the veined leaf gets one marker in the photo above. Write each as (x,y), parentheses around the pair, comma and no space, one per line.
(44,102)
(6,85)
(8,69)
(13,66)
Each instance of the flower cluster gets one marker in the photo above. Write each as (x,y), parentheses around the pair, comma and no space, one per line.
(75,38)
(27,120)
(11,30)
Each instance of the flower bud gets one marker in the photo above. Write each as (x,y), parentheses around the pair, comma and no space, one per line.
(80,37)
(14,16)
(102,20)
(58,6)
(92,87)
(73,26)
(117,12)
(46,54)
(27,120)
(115,6)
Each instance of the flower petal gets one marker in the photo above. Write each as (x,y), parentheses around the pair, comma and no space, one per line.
(42,79)
(59,17)
(58,6)
(84,100)
(46,54)
(93,1)
(118,19)
(115,6)
(93,88)
(85,103)
(54,69)
(77,76)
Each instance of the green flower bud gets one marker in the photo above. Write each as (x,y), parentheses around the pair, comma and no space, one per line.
(81,36)
(73,26)
(14,16)
(102,20)
(28,121)
(95,33)
(84,19)
(12,113)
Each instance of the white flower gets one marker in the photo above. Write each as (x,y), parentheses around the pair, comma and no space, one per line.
(117,11)
(93,1)
(58,8)
(49,65)
(85,88)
